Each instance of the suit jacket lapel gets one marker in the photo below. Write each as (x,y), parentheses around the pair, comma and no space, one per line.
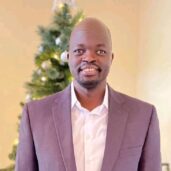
(115,130)
(62,119)
(117,118)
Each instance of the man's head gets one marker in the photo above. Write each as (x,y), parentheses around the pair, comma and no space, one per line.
(90,53)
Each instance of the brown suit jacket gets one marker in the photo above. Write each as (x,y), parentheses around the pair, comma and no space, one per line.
(45,141)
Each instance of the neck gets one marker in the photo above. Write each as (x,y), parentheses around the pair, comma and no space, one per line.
(90,98)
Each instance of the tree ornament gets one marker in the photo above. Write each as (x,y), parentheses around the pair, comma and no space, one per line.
(41,49)
(46,64)
(28,98)
(64,56)
(57,41)
(39,71)
(53,74)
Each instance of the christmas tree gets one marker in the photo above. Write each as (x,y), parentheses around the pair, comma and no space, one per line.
(52,72)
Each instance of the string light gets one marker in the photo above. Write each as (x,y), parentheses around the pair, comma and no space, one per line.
(61,5)
(16,141)
(43,78)
(81,18)
(56,56)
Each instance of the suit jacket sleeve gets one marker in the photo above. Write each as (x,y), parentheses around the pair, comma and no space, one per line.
(26,157)
(151,157)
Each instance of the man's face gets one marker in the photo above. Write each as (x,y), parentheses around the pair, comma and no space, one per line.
(90,56)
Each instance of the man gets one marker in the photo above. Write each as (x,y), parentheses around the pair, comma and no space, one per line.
(88,126)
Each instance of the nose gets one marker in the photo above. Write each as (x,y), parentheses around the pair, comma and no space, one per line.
(89,56)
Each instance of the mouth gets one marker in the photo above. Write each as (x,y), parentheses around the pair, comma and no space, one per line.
(89,70)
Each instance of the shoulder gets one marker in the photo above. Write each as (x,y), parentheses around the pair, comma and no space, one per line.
(140,114)
(121,97)
(39,112)
(131,104)
(47,102)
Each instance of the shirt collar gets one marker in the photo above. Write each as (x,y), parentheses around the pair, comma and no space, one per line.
(75,101)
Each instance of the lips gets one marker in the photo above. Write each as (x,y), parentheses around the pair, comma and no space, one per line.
(89,70)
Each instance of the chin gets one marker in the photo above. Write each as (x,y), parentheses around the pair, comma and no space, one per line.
(89,84)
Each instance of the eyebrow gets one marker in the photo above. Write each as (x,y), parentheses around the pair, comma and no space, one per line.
(98,45)
(81,45)
(101,45)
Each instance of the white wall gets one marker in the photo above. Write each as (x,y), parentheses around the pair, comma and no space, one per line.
(154,74)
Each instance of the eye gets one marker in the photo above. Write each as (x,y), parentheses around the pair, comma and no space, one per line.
(79,51)
(101,52)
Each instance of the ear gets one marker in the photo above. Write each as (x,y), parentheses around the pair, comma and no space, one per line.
(67,55)
(112,57)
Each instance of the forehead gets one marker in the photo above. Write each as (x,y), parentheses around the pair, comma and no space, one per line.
(90,34)
(89,37)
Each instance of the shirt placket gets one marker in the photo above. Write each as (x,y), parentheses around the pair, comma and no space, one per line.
(88,141)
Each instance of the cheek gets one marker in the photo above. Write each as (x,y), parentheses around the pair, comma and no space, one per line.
(73,61)
(106,68)
(107,65)
(73,66)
